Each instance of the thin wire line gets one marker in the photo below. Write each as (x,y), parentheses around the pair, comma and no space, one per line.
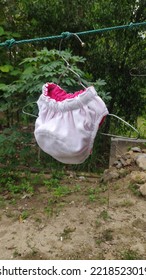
(127,124)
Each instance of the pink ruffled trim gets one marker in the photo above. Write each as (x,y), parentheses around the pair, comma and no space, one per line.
(56,92)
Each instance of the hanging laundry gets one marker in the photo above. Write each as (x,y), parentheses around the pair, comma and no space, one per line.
(67,123)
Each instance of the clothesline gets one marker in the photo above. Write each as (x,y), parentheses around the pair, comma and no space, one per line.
(11,42)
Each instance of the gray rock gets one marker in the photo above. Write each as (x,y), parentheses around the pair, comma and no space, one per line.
(110,174)
(138,177)
(141,161)
(142,189)
(82,178)
(116,162)
(136,149)
(119,165)
(129,161)
(123,162)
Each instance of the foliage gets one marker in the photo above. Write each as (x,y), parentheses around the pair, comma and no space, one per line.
(115,53)
(141,123)
(105,61)
(44,66)
(129,254)
(14,183)
(110,55)
(15,147)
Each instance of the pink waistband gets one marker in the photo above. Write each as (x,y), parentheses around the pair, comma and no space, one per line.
(57,93)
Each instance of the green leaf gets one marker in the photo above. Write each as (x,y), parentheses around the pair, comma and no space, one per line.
(28,71)
(6,68)
(16,35)
(101,82)
(2,32)
(3,87)
(7,94)
(15,72)
(4,107)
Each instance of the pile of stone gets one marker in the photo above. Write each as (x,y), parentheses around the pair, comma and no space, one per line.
(132,163)
(135,155)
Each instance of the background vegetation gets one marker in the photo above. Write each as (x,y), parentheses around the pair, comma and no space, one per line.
(106,60)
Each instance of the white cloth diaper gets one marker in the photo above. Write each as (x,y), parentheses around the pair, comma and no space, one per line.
(67,123)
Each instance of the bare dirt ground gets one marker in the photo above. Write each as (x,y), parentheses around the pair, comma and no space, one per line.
(88,219)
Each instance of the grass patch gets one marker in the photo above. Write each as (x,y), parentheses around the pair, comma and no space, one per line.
(49,210)
(141,124)
(135,189)
(25,214)
(98,193)
(15,182)
(52,183)
(130,255)
(2,202)
(62,191)
(125,203)
(24,186)
(107,235)
(104,215)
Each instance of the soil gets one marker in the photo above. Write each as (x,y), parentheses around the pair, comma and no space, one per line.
(91,219)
